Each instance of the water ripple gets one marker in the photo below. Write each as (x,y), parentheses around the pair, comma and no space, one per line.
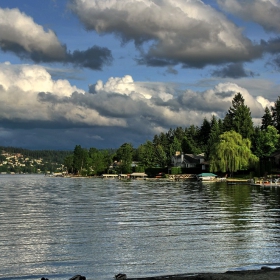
(59,227)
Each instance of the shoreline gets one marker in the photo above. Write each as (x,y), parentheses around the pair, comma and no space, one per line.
(265,273)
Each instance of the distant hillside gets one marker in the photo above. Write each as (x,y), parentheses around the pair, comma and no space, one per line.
(45,155)
(18,160)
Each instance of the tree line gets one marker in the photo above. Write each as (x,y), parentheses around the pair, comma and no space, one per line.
(229,144)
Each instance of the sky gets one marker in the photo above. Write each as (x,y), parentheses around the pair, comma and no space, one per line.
(101,73)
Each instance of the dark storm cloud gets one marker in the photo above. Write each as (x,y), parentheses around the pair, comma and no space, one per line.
(36,55)
(271,46)
(111,105)
(18,123)
(68,138)
(264,13)
(233,70)
(91,88)
(167,33)
(155,61)
(94,58)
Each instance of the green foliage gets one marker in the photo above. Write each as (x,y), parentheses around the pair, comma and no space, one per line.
(68,162)
(215,131)
(265,141)
(189,146)
(139,169)
(146,154)
(80,160)
(231,153)
(276,114)
(124,155)
(176,170)
(192,134)
(175,146)
(204,133)
(161,158)
(179,133)
(266,119)
(151,155)
(238,118)
(163,140)
(99,161)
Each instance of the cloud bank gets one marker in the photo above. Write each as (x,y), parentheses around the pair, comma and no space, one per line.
(120,109)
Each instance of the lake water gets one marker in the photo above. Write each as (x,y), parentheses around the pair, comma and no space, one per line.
(60,227)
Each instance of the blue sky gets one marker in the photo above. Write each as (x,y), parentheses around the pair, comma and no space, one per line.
(101,73)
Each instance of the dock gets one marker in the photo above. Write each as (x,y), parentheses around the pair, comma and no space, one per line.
(239,181)
(181,177)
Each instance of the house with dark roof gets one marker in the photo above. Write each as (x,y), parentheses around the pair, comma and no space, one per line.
(189,160)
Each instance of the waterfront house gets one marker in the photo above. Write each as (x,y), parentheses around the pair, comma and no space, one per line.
(188,160)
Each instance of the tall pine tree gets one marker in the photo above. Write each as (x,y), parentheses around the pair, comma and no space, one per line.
(266,119)
(203,134)
(238,118)
(215,132)
(276,114)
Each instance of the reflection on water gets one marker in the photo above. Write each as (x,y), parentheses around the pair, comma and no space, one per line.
(59,227)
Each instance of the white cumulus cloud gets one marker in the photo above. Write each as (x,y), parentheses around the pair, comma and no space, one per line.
(21,91)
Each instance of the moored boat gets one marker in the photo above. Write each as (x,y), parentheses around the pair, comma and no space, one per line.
(206,177)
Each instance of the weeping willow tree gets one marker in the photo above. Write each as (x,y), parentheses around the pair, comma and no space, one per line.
(231,153)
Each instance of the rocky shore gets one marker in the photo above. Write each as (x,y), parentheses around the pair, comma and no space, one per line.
(265,273)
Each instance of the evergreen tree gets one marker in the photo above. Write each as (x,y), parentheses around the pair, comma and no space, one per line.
(189,147)
(276,114)
(191,141)
(160,156)
(125,155)
(146,154)
(170,135)
(238,118)
(221,125)
(175,147)
(68,162)
(265,141)
(179,133)
(163,140)
(80,159)
(204,133)
(98,161)
(215,132)
(266,119)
